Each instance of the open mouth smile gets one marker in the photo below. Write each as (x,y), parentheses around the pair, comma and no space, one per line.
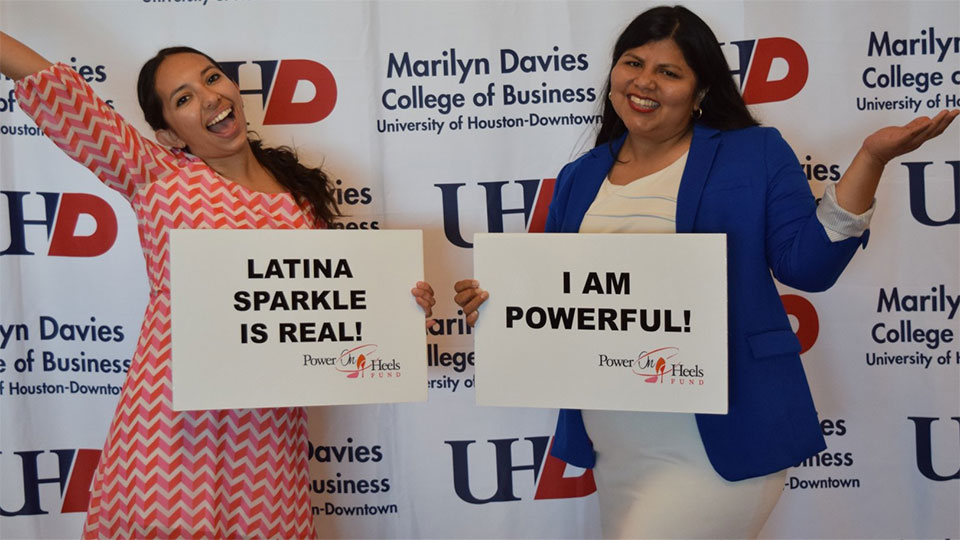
(222,122)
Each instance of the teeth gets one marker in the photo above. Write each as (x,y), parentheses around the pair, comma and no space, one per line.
(643,102)
(220,117)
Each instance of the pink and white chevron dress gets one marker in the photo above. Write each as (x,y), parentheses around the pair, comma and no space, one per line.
(217,474)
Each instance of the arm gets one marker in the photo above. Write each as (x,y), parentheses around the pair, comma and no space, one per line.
(74,118)
(857,186)
(17,60)
(798,248)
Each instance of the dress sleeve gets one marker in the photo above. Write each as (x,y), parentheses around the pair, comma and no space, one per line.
(71,115)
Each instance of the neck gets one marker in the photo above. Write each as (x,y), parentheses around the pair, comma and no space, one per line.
(244,169)
(657,149)
(641,156)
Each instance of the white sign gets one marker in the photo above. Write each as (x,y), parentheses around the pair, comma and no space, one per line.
(603,321)
(269,318)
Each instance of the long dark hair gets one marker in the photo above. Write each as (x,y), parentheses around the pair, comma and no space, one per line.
(723,106)
(310,187)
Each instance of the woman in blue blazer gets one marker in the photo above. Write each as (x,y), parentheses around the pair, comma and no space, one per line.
(678,151)
(745,183)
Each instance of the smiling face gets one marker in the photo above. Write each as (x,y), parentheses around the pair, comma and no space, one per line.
(654,91)
(202,107)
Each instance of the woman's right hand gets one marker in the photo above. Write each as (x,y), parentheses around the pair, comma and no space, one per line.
(469,297)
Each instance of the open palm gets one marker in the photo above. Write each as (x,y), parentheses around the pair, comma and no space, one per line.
(892,141)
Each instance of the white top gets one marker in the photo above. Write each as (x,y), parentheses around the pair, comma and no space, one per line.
(649,205)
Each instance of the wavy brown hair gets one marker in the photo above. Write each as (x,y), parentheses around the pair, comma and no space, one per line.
(310,186)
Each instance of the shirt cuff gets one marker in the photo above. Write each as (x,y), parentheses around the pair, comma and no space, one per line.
(838,223)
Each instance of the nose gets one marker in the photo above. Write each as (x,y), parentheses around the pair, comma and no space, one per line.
(644,80)
(209,98)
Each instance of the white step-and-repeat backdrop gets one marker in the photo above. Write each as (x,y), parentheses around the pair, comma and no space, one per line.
(453,117)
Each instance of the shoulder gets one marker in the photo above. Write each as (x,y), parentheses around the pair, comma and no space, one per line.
(757,143)
(597,160)
(585,160)
(750,135)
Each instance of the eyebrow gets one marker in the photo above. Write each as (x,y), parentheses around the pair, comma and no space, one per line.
(667,64)
(184,85)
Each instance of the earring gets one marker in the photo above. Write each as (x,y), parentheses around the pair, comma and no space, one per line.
(697,113)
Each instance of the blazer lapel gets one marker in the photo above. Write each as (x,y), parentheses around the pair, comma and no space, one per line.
(595,169)
(703,149)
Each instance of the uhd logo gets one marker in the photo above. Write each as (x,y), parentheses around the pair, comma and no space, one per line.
(74,472)
(923,429)
(536,202)
(808,322)
(60,213)
(757,59)
(279,80)
(547,471)
(918,193)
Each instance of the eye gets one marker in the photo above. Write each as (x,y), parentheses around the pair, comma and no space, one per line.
(181,100)
(669,73)
(214,77)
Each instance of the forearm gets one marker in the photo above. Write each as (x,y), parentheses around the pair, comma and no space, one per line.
(839,223)
(858,185)
(17,60)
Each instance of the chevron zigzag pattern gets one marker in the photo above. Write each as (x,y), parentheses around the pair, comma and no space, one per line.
(195,474)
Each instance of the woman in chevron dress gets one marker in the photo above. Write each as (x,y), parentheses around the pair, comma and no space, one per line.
(163,473)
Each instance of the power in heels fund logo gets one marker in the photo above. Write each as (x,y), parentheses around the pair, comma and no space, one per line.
(659,365)
(363,362)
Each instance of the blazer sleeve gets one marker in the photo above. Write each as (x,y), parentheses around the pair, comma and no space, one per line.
(798,250)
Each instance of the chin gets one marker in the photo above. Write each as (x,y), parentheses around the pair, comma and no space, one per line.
(239,144)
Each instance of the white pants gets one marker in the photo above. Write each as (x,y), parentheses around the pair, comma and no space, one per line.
(654,481)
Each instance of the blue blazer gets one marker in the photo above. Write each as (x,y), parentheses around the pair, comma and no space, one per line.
(748,184)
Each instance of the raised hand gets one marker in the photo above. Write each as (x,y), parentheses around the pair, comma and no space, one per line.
(892,141)
(469,297)
(423,294)
(856,188)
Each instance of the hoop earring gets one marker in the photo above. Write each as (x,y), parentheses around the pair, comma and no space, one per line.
(610,94)
(697,113)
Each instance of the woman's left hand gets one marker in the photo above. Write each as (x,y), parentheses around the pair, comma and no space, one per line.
(858,185)
(890,142)
(423,294)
